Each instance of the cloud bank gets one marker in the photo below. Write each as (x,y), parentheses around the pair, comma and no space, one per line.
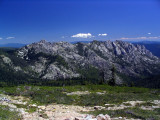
(82,35)
(139,38)
(1,38)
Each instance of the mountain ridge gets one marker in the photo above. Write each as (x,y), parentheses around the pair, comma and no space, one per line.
(84,61)
(98,54)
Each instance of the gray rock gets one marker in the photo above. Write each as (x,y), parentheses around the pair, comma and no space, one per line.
(103,117)
(130,60)
(4,99)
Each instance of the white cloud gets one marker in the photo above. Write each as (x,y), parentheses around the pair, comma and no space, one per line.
(104,34)
(154,37)
(1,38)
(149,33)
(82,35)
(10,37)
(139,38)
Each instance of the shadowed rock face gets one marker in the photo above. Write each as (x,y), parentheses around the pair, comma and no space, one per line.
(129,59)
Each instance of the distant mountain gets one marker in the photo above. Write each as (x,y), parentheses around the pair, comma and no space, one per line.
(81,62)
(12,45)
(146,42)
(153,46)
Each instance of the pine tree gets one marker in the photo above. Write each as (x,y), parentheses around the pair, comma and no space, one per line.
(112,81)
(102,77)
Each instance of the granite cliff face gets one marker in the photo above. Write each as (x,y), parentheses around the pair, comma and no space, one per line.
(64,60)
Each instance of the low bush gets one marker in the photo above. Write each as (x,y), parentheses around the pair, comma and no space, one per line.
(7,114)
(135,113)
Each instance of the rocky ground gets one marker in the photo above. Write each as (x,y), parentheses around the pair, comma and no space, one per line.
(32,111)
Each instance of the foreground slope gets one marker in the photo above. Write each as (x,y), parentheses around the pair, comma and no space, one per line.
(74,102)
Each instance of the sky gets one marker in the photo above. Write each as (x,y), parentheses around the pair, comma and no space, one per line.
(28,21)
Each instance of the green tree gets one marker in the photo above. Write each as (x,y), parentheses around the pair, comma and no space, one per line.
(112,81)
(102,77)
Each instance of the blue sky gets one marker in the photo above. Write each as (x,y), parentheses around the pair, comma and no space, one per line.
(27,21)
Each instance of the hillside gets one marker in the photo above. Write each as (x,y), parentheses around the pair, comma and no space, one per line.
(89,102)
(81,63)
(154,47)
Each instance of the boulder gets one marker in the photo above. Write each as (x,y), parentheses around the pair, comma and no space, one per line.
(103,117)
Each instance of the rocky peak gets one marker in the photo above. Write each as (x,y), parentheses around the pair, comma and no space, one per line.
(43,41)
(128,59)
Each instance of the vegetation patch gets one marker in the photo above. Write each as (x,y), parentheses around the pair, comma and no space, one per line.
(31,109)
(135,112)
(27,107)
(127,104)
(113,95)
(145,104)
(7,114)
